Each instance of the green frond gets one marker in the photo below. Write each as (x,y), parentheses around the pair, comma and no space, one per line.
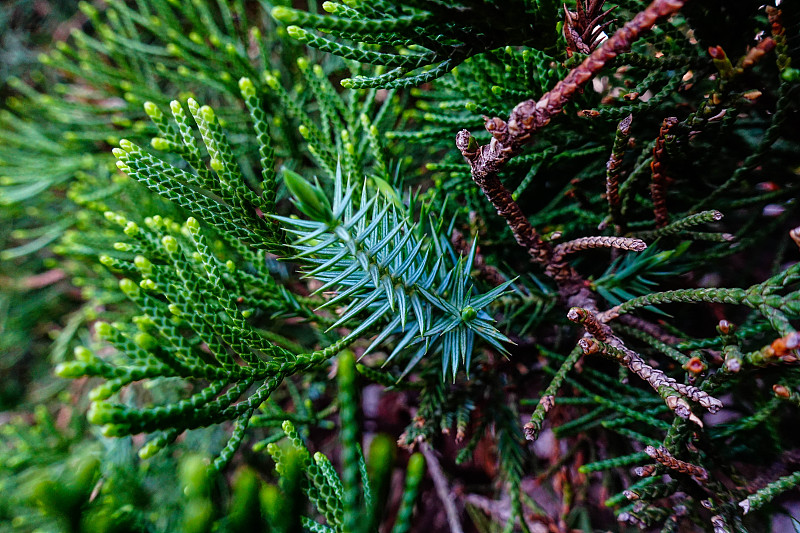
(427,39)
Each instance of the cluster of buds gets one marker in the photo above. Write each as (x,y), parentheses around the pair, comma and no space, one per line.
(784,349)
(584,28)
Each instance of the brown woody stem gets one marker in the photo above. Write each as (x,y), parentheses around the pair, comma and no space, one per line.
(658,187)
(529,116)
(525,120)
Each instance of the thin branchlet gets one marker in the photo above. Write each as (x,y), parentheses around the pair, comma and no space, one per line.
(658,186)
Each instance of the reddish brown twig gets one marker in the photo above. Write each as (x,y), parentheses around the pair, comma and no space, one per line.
(525,120)
(663,456)
(529,116)
(590,323)
(614,168)
(658,187)
(557,267)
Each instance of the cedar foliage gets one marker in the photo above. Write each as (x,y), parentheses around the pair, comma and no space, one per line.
(217,206)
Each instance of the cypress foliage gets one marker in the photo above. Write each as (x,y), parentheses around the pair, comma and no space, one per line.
(562,229)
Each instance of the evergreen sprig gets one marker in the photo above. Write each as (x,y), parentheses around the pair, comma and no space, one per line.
(378,265)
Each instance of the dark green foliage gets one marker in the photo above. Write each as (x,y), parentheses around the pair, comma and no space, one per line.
(215,207)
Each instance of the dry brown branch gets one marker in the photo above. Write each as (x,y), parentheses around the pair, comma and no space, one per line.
(663,456)
(508,138)
(529,116)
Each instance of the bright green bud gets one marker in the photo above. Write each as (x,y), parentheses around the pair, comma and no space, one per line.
(207,113)
(255,33)
(309,198)
(103,330)
(304,131)
(230,265)
(99,413)
(126,145)
(143,322)
(216,164)
(271,80)
(195,37)
(416,466)
(296,32)
(160,144)
(173,50)
(170,243)
(142,263)
(468,314)
(197,257)
(149,450)
(145,341)
(213,39)
(82,353)
(193,225)
(118,152)
(87,9)
(148,284)
(330,7)
(106,260)
(100,393)
(122,246)
(129,287)
(284,14)
(302,62)
(247,88)
(247,313)
(152,110)
(131,229)
(174,309)
(790,75)
(71,369)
